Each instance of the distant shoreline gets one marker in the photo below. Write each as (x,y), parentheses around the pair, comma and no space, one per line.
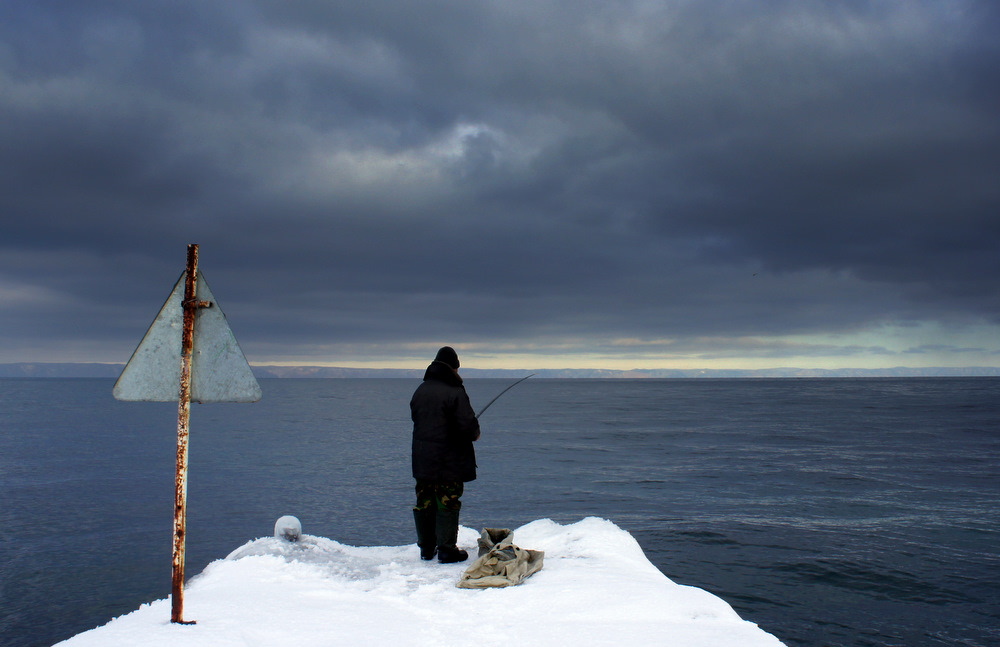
(113,370)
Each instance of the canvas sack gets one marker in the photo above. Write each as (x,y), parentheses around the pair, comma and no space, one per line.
(500,562)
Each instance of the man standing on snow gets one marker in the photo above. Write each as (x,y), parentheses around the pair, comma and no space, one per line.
(444,428)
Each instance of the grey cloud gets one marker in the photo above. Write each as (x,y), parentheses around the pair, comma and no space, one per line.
(496,173)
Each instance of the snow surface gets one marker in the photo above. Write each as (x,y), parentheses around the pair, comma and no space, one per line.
(596,588)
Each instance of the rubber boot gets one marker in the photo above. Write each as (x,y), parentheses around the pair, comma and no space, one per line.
(447,538)
(425,521)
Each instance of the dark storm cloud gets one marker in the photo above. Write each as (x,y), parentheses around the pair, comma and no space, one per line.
(561,173)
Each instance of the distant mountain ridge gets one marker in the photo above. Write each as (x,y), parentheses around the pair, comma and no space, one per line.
(99,370)
(55,369)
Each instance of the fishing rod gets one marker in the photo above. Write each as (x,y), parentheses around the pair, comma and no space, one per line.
(501,393)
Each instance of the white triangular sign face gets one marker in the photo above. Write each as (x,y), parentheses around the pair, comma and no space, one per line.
(219,370)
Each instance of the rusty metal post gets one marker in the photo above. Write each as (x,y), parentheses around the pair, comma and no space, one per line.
(191,305)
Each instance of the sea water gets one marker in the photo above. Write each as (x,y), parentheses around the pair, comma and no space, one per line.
(831,512)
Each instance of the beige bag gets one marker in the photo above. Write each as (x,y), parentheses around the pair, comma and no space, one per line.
(500,562)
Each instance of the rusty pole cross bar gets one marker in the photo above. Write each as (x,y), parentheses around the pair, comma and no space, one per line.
(191,306)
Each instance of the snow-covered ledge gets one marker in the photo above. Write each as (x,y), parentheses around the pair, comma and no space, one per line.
(596,588)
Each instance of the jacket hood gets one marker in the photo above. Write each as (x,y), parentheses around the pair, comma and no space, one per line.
(441,372)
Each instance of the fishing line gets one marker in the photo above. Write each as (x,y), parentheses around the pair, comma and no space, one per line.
(501,393)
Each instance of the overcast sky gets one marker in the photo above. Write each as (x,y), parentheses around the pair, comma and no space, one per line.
(542,183)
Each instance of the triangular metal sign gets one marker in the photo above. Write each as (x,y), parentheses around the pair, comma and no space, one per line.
(219,370)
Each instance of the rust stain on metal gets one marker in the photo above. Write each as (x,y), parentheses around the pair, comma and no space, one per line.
(191,306)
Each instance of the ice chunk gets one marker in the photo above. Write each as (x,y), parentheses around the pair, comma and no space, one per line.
(288,528)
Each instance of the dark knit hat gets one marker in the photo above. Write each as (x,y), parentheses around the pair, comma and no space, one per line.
(448,355)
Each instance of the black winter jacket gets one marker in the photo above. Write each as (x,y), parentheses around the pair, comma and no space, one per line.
(444,428)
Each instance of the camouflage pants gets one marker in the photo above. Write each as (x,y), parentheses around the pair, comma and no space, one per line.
(439,496)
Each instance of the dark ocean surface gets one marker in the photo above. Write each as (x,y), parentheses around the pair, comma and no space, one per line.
(831,512)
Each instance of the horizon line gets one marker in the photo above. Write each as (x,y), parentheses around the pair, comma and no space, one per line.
(112,369)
